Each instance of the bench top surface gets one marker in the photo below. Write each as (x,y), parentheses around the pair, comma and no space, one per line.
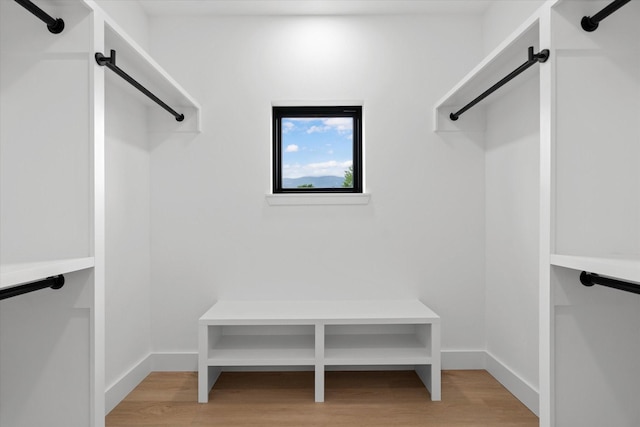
(308,312)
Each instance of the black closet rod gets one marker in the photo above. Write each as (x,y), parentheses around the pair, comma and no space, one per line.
(590,279)
(590,23)
(541,56)
(110,63)
(54,282)
(55,25)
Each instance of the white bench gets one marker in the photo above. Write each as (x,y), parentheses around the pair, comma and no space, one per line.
(319,335)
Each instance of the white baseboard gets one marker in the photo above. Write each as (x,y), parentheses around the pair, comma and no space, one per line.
(521,389)
(127,382)
(451,360)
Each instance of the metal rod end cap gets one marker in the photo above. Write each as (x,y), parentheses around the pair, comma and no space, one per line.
(56,27)
(59,282)
(588,25)
(585,279)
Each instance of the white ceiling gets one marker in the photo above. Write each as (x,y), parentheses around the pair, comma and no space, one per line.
(313,7)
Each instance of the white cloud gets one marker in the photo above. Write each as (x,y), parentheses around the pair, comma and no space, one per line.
(291,148)
(287,127)
(330,168)
(318,129)
(339,124)
(330,163)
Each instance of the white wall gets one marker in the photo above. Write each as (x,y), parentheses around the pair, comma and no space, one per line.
(127,304)
(45,186)
(502,18)
(214,236)
(130,16)
(512,230)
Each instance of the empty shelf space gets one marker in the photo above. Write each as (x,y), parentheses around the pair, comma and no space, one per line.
(263,350)
(16,274)
(369,349)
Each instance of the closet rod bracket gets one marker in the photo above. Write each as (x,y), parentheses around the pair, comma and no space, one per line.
(541,56)
(104,60)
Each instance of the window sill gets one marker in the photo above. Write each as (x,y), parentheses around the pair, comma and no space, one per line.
(317,199)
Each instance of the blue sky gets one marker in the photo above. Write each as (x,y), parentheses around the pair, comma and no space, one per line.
(316,146)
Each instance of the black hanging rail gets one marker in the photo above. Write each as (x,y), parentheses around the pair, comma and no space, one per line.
(54,282)
(110,63)
(590,23)
(590,279)
(541,56)
(55,25)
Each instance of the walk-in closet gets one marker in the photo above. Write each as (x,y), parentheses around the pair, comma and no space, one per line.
(236,212)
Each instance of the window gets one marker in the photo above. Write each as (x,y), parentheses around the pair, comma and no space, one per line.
(317,149)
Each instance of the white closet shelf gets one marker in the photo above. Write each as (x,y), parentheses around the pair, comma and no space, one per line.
(16,274)
(509,55)
(141,66)
(227,312)
(252,350)
(375,349)
(621,268)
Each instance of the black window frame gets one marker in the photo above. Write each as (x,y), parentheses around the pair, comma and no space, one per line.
(280,112)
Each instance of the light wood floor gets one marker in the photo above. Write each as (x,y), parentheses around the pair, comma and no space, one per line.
(394,398)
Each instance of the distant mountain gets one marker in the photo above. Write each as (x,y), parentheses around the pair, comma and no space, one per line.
(316,181)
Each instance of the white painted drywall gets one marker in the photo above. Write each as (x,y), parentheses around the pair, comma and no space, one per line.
(130,16)
(597,180)
(512,227)
(213,234)
(502,18)
(127,295)
(44,129)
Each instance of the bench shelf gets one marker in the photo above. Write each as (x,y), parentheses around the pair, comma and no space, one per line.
(319,334)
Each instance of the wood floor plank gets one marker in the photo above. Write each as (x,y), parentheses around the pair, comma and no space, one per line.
(469,399)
